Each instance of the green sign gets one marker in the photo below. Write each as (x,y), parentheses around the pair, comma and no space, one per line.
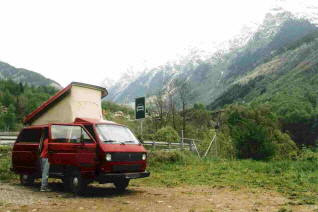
(140,108)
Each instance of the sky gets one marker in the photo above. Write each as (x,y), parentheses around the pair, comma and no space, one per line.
(90,40)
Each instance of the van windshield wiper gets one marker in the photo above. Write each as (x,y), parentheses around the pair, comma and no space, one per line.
(129,141)
(110,141)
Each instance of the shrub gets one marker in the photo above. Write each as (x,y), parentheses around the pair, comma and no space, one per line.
(222,147)
(252,141)
(167,134)
(256,133)
(166,157)
(285,147)
(160,158)
(306,154)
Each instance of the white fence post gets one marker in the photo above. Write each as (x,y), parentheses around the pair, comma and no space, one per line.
(191,145)
(153,145)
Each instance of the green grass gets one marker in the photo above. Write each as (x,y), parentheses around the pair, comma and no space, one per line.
(5,164)
(298,180)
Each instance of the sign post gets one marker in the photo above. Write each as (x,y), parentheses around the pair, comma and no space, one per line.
(140,110)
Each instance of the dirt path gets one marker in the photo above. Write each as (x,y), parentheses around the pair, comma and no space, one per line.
(14,197)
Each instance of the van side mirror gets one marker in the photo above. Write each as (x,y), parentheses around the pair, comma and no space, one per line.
(141,140)
(139,137)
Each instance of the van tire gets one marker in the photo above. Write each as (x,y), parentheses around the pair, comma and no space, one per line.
(75,183)
(121,184)
(26,180)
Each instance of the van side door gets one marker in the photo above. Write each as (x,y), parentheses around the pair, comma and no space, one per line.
(86,153)
(71,145)
(25,154)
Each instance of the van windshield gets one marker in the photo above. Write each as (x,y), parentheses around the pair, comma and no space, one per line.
(109,133)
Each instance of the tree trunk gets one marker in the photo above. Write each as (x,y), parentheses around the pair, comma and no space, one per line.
(173,119)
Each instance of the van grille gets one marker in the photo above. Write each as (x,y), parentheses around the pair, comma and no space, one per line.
(126,156)
(126,168)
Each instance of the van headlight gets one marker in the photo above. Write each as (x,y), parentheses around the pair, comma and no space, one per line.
(108,157)
(144,156)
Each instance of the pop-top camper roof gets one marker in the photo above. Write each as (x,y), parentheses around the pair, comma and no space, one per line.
(76,100)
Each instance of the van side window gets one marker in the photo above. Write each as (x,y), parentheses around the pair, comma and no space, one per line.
(30,135)
(90,129)
(69,134)
(86,138)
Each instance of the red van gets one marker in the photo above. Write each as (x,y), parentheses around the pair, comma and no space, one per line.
(80,153)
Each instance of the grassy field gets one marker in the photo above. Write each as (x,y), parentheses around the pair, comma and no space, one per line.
(297,180)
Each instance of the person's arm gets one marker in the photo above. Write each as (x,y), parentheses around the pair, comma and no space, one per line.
(45,148)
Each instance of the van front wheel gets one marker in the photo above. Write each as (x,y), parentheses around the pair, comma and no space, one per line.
(121,184)
(75,183)
(26,180)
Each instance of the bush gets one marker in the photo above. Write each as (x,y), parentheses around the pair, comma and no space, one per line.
(252,141)
(306,154)
(222,147)
(256,133)
(285,147)
(166,157)
(167,134)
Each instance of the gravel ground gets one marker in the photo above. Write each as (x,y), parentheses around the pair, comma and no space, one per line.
(14,197)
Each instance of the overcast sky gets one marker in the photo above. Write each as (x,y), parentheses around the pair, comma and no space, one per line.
(89,40)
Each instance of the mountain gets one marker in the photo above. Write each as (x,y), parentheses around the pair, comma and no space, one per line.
(288,83)
(211,76)
(148,82)
(275,67)
(115,90)
(8,72)
(292,65)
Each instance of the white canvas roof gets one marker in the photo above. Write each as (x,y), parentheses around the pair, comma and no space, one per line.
(76,100)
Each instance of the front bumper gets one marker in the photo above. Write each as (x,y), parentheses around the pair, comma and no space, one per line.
(111,177)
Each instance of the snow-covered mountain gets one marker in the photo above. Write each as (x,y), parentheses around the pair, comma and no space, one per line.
(212,75)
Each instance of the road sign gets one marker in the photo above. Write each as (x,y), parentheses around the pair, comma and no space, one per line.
(140,108)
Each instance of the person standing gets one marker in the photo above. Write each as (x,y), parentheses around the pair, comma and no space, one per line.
(45,165)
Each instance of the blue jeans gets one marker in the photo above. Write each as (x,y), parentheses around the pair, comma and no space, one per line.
(45,167)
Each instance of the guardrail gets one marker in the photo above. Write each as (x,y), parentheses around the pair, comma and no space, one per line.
(184,144)
(8,138)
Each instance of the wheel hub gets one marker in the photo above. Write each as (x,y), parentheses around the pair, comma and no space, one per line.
(75,181)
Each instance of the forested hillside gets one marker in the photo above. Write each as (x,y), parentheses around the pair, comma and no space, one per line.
(288,83)
(8,72)
(17,100)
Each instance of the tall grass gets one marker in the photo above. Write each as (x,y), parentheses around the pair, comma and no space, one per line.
(297,179)
(5,164)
